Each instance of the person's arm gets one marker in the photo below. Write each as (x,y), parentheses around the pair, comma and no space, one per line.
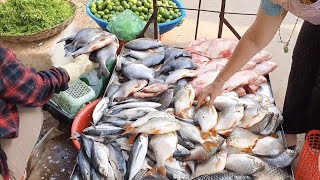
(257,37)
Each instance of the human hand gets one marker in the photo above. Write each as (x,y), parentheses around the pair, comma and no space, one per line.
(211,91)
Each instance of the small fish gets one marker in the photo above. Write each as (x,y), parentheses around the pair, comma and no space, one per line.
(137,71)
(271,126)
(249,164)
(84,165)
(117,161)
(137,156)
(98,43)
(191,133)
(111,174)
(229,117)
(99,110)
(270,172)
(144,95)
(127,89)
(102,130)
(143,44)
(175,53)
(223,102)
(172,64)
(242,138)
(252,116)
(207,119)
(181,151)
(257,128)
(100,158)
(102,56)
(112,88)
(159,142)
(86,144)
(183,101)
(214,164)
(153,59)
(268,146)
(155,88)
(96,175)
(122,58)
(133,105)
(165,99)
(180,74)
(283,160)
(182,82)
(132,113)
(119,122)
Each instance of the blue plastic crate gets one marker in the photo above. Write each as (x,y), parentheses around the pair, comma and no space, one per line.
(163,27)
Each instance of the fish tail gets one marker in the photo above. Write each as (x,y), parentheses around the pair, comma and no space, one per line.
(246,150)
(128,129)
(132,138)
(205,135)
(152,171)
(162,171)
(208,144)
(274,135)
(171,159)
(156,131)
(213,132)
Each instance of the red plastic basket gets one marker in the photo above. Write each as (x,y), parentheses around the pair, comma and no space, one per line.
(308,168)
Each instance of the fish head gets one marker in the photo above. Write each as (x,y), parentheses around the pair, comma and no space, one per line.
(292,153)
(258,163)
(232,140)
(222,154)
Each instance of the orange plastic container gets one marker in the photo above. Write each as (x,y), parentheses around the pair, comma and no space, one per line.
(308,168)
(82,121)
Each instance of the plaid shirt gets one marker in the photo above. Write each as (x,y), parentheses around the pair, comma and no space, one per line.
(24,86)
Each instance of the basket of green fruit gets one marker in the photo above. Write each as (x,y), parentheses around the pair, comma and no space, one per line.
(102,11)
(34,20)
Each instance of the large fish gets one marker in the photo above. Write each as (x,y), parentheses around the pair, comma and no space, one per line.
(137,156)
(249,102)
(222,102)
(272,125)
(283,160)
(137,71)
(133,105)
(99,110)
(244,164)
(183,101)
(127,89)
(199,154)
(86,144)
(84,165)
(180,74)
(117,161)
(132,113)
(153,59)
(268,146)
(252,116)
(159,142)
(214,164)
(175,53)
(103,55)
(103,129)
(270,172)
(242,138)
(100,158)
(111,89)
(143,44)
(172,64)
(207,118)
(229,117)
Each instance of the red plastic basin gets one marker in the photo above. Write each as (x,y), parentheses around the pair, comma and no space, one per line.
(82,121)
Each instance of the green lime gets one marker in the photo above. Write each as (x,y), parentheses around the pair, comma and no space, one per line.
(158,19)
(106,11)
(134,8)
(93,5)
(171,12)
(150,11)
(168,20)
(162,20)
(112,12)
(139,3)
(175,16)
(124,3)
(98,16)
(179,14)
(176,10)
(101,13)
(126,6)
(161,10)
(121,9)
(137,13)
(108,1)
(105,17)
(117,3)
(170,17)
(94,11)
(145,10)
(159,15)
(100,8)
(99,3)
(145,17)
(130,4)
(110,15)
(109,7)
(112,4)
(139,9)
(144,1)
(166,14)
(150,1)
(116,8)
(141,17)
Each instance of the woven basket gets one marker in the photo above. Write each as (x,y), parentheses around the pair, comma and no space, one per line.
(44,34)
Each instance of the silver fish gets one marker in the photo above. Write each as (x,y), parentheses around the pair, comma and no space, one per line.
(159,142)
(229,117)
(275,110)
(102,130)
(249,164)
(175,53)
(111,175)
(257,128)
(249,102)
(143,44)
(207,119)
(242,138)
(117,161)
(172,64)
(99,110)
(182,82)
(183,101)
(214,164)
(137,155)
(252,116)
(180,74)
(181,151)
(128,88)
(137,71)
(165,99)
(270,172)
(87,144)
(283,160)
(123,142)
(123,58)
(268,146)
(134,105)
(158,125)
(223,102)
(133,112)
(96,175)
(224,176)
(111,89)
(153,59)
(100,158)
(185,143)
(271,126)
(119,122)
(84,165)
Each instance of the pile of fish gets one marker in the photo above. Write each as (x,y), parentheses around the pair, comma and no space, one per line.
(100,45)
(212,55)
(147,126)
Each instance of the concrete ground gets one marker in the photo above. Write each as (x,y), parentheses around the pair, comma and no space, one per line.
(208,27)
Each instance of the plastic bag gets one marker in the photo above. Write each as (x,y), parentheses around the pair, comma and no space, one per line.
(126,25)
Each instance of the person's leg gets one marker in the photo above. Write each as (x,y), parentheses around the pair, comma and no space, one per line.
(302,79)
(19,150)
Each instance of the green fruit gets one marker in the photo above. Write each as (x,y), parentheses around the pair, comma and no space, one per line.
(175,16)
(130,4)
(94,11)
(100,8)
(117,3)
(126,6)
(170,17)
(109,7)
(168,20)
(159,3)
(101,13)
(139,3)
(159,15)
(112,12)
(98,16)
(161,10)
(110,16)
(139,9)
(145,10)
(116,8)
(93,5)
(162,20)
(141,17)
(166,15)
(176,10)
(108,1)
(105,17)
(137,13)
(179,14)
(171,12)
(150,11)
(158,19)
(99,3)
(106,11)
(121,9)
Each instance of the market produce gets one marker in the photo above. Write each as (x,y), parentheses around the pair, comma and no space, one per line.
(105,9)
(101,45)
(21,17)
(163,136)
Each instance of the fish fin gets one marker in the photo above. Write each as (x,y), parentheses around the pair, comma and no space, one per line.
(152,171)
(162,171)
(184,113)
(214,132)
(132,138)
(205,135)
(261,136)
(171,159)
(128,129)
(274,135)
(246,150)
(156,131)
(198,127)
(208,144)
(227,133)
